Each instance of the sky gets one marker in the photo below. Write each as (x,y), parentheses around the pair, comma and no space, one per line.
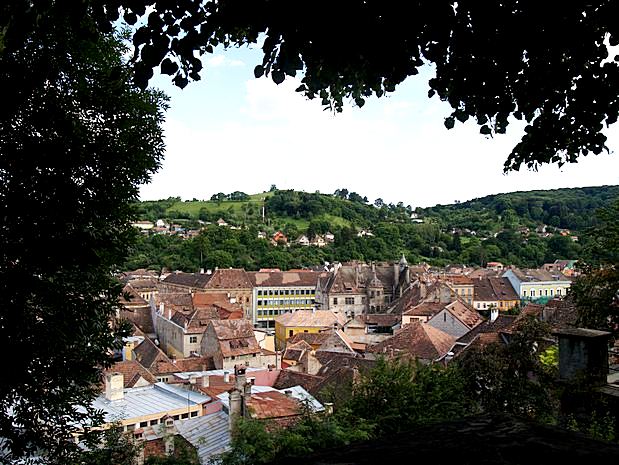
(231,132)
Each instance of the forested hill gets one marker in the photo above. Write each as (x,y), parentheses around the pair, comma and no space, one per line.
(572,209)
(521,228)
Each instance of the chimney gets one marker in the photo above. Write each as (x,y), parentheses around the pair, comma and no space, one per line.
(240,378)
(226,376)
(114,385)
(288,392)
(236,408)
(494,314)
(201,270)
(205,381)
(583,355)
(209,272)
(161,308)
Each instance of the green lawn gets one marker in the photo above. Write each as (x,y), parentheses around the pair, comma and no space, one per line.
(193,208)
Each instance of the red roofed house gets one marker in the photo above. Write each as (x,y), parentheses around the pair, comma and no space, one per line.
(456,319)
(181,322)
(418,340)
(230,343)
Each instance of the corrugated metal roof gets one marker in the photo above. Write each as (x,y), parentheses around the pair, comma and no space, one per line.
(148,400)
(210,434)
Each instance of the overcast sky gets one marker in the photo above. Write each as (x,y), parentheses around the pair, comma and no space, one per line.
(233,132)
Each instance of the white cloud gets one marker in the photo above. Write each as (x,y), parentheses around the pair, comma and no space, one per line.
(219,61)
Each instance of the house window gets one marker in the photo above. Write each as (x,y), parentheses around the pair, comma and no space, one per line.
(259,292)
(478,305)
(558,291)
(143,424)
(545,291)
(349,300)
(334,300)
(524,293)
(193,339)
(184,416)
(444,316)
(153,422)
(194,414)
(306,331)
(532,293)
(551,292)
(290,333)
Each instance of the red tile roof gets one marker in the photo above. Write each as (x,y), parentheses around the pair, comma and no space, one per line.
(132,371)
(416,339)
(235,337)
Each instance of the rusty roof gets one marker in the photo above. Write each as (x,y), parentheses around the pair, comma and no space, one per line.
(272,404)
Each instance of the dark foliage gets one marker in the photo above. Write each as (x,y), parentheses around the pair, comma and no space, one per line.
(76,140)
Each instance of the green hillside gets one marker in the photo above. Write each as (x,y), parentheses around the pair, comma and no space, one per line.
(521,228)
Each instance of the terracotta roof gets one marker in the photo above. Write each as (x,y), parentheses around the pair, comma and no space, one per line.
(230,278)
(289,378)
(130,297)
(235,337)
(469,317)
(148,354)
(494,289)
(381,319)
(537,275)
(313,339)
(417,293)
(503,323)
(144,284)
(175,300)
(136,310)
(310,319)
(458,279)
(428,309)
(193,280)
(286,278)
(294,352)
(132,371)
(560,313)
(195,321)
(272,404)
(416,339)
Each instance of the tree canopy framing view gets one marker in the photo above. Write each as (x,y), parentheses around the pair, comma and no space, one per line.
(79,131)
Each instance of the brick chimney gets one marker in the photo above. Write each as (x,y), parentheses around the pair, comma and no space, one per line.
(114,385)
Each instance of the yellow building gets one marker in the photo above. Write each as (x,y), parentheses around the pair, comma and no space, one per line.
(304,321)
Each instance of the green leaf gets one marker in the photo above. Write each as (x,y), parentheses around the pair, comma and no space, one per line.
(258,71)
(449,122)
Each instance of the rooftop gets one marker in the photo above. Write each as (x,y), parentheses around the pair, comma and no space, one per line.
(155,399)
